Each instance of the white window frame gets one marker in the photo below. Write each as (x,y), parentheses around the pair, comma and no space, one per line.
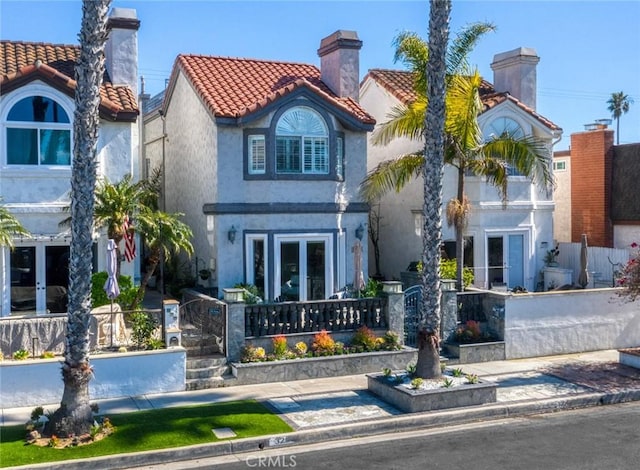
(303,239)
(25,92)
(310,131)
(560,165)
(249,276)
(257,156)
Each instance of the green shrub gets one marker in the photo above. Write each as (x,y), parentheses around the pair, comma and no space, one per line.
(143,327)
(448,269)
(365,338)
(372,288)
(99,297)
(252,294)
(21,354)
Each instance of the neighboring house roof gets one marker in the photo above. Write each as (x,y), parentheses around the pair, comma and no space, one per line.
(23,62)
(625,174)
(400,84)
(238,88)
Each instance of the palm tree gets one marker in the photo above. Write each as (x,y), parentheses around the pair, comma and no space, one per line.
(115,202)
(74,415)
(9,227)
(164,235)
(618,105)
(464,149)
(428,365)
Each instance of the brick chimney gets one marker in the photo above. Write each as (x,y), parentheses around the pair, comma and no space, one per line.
(121,51)
(515,72)
(340,63)
(591,166)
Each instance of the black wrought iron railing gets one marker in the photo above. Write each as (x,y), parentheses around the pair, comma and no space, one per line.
(305,317)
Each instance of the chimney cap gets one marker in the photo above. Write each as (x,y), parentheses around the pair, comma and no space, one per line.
(518,54)
(123,18)
(341,39)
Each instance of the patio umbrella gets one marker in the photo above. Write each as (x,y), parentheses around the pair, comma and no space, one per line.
(111,287)
(583,277)
(358,277)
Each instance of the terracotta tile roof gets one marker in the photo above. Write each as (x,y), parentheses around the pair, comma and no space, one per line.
(235,87)
(22,62)
(400,84)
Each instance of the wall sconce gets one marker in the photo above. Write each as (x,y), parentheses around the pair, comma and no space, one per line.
(231,235)
(360,232)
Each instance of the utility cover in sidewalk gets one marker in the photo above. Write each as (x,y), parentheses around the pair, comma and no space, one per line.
(224,433)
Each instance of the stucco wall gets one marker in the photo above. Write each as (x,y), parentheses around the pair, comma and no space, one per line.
(191,166)
(549,323)
(39,382)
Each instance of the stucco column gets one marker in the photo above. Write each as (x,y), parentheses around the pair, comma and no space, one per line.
(449,320)
(235,330)
(395,296)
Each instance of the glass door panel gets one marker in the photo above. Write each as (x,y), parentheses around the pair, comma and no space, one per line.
(516,261)
(496,261)
(56,278)
(290,271)
(316,268)
(23,279)
(258,267)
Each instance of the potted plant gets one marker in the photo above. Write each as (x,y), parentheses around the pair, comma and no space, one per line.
(551,258)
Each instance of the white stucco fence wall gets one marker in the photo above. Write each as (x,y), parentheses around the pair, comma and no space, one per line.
(39,382)
(543,324)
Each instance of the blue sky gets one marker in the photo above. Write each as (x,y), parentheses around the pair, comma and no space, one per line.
(588,49)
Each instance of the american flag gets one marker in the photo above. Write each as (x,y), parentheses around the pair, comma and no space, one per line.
(129,240)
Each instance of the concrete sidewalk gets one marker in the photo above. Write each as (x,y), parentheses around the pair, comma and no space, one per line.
(341,407)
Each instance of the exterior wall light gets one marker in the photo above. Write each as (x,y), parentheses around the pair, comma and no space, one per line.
(360,232)
(232,234)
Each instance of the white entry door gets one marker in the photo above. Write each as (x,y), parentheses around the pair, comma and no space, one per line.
(39,278)
(506,255)
(303,267)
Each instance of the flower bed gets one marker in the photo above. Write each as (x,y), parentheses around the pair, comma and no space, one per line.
(476,352)
(323,366)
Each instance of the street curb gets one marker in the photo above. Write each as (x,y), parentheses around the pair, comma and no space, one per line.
(402,423)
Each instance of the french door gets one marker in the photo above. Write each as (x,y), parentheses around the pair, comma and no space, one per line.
(39,278)
(505,260)
(303,267)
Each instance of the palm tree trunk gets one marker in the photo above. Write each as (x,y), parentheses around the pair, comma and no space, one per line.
(154,260)
(459,227)
(428,365)
(74,415)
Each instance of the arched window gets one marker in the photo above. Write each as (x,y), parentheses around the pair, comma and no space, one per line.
(302,142)
(503,127)
(38,132)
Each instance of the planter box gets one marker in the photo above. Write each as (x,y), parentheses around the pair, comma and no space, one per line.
(318,367)
(630,357)
(412,401)
(477,352)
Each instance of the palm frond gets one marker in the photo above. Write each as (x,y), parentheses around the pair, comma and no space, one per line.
(391,175)
(404,121)
(413,52)
(465,41)
(10,226)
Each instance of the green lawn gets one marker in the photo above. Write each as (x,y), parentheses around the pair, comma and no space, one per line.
(149,430)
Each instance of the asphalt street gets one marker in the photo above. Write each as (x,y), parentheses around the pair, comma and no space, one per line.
(606,437)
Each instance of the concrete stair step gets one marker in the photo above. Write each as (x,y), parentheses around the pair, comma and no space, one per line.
(206,361)
(199,351)
(213,382)
(207,372)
